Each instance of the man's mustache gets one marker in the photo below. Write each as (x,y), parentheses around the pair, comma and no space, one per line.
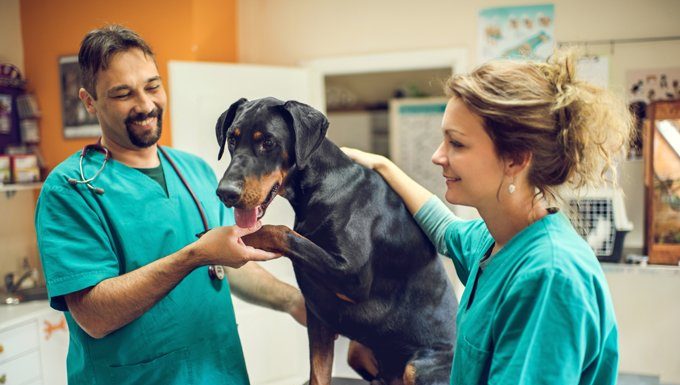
(155,113)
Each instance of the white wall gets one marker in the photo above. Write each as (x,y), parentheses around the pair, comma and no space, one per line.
(11,46)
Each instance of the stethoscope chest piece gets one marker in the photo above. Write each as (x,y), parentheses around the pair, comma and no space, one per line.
(216,271)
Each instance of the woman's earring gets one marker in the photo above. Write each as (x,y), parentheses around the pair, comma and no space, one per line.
(512,187)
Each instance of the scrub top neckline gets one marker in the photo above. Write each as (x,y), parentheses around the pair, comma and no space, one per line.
(553,214)
(170,183)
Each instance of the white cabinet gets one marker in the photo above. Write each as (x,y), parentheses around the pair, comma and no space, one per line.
(33,345)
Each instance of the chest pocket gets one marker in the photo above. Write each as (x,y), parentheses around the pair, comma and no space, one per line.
(470,364)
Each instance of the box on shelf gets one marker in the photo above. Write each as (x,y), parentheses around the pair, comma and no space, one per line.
(25,168)
(5,169)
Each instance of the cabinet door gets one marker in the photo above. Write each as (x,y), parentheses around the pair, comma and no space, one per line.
(54,338)
(20,370)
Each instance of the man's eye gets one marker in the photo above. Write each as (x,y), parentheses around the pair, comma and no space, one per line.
(121,96)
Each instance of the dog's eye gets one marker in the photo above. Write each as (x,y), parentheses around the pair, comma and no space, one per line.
(231,141)
(268,143)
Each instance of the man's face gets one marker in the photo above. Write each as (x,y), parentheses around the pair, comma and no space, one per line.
(130,100)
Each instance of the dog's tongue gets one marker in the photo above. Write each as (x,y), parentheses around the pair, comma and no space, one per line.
(246,217)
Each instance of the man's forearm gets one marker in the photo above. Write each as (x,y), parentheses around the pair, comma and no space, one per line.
(256,285)
(115,302)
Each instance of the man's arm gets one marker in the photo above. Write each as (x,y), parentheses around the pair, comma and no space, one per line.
(256,285)
(115,302)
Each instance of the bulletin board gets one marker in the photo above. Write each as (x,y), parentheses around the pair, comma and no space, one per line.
(415,134)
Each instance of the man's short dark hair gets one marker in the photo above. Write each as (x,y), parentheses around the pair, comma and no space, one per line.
(100,45)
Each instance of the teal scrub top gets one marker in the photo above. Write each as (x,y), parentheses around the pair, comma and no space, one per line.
(190,336)
(537,312)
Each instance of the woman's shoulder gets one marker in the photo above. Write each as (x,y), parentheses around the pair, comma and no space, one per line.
(557,249)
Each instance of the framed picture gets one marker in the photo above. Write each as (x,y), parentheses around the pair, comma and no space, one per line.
(662,182)
(77,122)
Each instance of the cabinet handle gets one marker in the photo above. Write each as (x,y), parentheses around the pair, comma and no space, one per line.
(2,348)
(3,379)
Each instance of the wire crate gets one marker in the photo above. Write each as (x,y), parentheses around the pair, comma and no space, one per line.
(600,217)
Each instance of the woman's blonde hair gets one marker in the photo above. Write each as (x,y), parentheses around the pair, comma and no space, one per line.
(574,131)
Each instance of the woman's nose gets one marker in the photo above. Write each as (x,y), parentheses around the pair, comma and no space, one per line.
(439,157)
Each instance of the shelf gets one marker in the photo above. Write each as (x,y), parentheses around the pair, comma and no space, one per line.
(609,267)
(20,186)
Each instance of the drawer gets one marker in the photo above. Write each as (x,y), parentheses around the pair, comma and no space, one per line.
(18,339)
(21,370)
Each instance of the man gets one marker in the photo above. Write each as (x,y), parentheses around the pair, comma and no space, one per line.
(119,250)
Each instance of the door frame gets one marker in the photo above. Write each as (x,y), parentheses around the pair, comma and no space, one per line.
(454,58)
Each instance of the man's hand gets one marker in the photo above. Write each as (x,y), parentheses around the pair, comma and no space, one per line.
(223,246)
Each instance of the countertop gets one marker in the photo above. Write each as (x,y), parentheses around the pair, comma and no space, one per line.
(13,314)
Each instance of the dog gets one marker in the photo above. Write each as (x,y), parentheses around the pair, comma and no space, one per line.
(365,268)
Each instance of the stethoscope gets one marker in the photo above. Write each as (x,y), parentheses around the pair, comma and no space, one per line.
(214,271)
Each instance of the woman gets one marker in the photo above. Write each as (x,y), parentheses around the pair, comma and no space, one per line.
(536,308)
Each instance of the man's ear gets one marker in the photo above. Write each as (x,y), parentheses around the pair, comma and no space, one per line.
(87,100)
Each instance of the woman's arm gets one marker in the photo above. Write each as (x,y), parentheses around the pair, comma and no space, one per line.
(413,194)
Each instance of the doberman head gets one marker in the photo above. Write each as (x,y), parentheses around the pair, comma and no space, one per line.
(267,140)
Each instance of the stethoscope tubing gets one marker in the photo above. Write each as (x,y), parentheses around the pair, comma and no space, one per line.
(215,271)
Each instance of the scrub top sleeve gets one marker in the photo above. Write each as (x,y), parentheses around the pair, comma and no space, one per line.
(75,250)
(541,332)
(434,218)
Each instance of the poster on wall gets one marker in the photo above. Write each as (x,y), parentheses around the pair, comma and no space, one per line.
(77,122)
(525,32)
(644,86)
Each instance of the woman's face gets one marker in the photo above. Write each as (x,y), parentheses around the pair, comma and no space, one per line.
(471,168)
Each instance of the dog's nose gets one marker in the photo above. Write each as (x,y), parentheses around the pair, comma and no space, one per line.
(229,193)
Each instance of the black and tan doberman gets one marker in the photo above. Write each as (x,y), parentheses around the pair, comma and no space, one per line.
(365,268)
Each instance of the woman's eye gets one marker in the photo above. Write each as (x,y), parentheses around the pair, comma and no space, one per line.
(456,144)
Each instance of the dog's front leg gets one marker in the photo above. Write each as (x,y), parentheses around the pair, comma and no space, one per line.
(348,275)
(321,341)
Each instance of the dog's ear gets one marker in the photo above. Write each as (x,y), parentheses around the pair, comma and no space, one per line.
(309,127)
(224,122)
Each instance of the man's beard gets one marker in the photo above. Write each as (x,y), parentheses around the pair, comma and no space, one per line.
(147,140)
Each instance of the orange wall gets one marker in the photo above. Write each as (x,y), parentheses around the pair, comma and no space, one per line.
(203,30)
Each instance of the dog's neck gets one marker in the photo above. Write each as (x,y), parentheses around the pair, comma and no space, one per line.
(302,183)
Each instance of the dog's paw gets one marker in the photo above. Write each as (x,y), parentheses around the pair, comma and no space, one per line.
(269,238)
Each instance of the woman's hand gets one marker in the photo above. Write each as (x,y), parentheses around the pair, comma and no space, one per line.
(366,159)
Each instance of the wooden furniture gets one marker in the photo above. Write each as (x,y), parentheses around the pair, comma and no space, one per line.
(661,148)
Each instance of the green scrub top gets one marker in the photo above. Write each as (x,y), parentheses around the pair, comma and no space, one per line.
(537,312)
(188,337)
